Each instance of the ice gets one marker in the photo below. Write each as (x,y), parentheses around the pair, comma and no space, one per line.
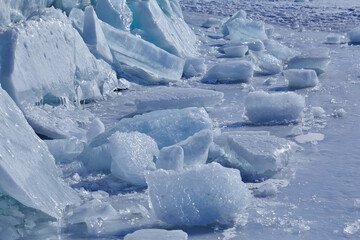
(266,190)
(196,147)
(354,35)
(240,14)
(234,71)
(76,15)
(275,108)
(316,59)
(265,63)
(339,113)
(236,51)
(174,97)
(310,137)
(142,59)
(94,36)
(194,67)
(167,127)
(334,38)
(212,194)
(211,22)
(318,112)
(37,65)
(301,78)
(65,150)
(132,154)
(279,50)
(171,158)
(114,12)
(157,234)
(162,24)
(27,170)
(258,155)
(95,128)
(244,29)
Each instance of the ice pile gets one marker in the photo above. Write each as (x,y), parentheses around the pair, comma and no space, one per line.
(158,234)
(213,194)
(275,108)
(27,170)
(301,78)
(354,35)
(229,72)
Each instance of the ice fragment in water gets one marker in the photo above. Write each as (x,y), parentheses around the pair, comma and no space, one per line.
(157,234)
(235,71)
(301,78)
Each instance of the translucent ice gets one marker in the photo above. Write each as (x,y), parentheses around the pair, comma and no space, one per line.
(279,50)
(27,170)
(240,14)
(354,35)
(76,15)
(158,234)
(201,195)
(171,158)
(265,63)
(95,128)
(236,51)
(171,97)
(334,38)
(162,24)
(275,108)
(234,71)
(114,12)
(67,5)
(316,59)
(301,78)
(243,29)
(141,58)
(194,67)
(211,22)
(132,154)
(94,36)
(65,150)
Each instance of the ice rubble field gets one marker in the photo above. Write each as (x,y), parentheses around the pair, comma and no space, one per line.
(148,119)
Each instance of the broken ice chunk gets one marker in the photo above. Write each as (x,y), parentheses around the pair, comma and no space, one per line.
(132,154)
(235,71)
(240,14)
(171,97)
(65,150)
(77,17)
(266,190)
(94,36)
(243,29)
(171,158)
(236,51)
(316,59)
(158,234)
(275,108)
(265,63)
(163,25)
(114,12)
(194,67)
(67,5)
(95,128)
(142,59)
(334,38)
(354,35)
(279,50)
(27,169)
(201,195)
(301,78)
(211,22)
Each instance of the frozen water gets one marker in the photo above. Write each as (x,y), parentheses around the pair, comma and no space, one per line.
(240,14)
(334,38)
(236,51)
(94,36)
(76,15)
(196,147)
(65,150)
(244,29)
(67,5)
(114,12)
(212,22)
(50,70)
(265,63)
(142,59)
(318,112)
(275,108)
(157,234)
(132,154)
(354,35)
(28,170)
(279,50)
(316,59)
(301,78)
(266,190)
(95,128)
(175,97)
(213,194)
(310,137)
(194,67)
(162,24)
(171,158)
(234,71)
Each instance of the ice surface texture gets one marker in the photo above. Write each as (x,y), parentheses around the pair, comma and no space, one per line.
(301,78)
(27,170)
(212,194)
(235,71)
(157,234)
(275,108)
(132,154)
(162,24)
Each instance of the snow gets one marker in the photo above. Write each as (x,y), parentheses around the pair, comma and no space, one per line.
(175,97)
(274,108)
(132,154)
(94,37)
(142,59)
(157,234)
(28,170)
(213,194)
(301,78)
(115,13)
(354,35)
(171,158)
(162,24)
(235,71)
